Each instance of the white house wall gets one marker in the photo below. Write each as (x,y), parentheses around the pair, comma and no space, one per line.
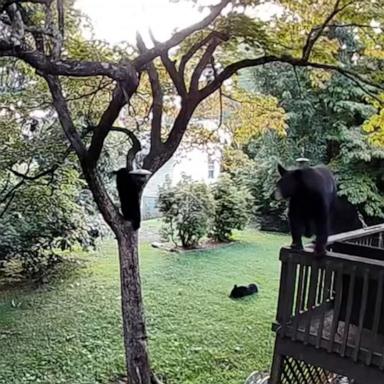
(193,163)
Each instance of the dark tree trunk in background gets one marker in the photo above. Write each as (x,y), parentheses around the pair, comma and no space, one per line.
(135,337)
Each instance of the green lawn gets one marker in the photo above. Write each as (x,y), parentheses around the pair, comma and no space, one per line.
(70,333)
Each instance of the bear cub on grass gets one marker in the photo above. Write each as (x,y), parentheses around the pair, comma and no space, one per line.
(241,291)
(311,192)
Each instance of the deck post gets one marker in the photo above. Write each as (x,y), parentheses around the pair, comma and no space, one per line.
(277,366)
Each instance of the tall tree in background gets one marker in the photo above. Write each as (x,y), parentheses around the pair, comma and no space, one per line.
(35,32)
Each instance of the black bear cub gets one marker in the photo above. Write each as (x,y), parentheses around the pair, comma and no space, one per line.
(130,186)
(238,292)
(311,192)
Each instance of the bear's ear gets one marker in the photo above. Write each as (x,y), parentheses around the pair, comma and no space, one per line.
(235,286)
(281,169)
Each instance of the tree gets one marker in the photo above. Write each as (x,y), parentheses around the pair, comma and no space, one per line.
(326,116)
(43,201)
(35,32)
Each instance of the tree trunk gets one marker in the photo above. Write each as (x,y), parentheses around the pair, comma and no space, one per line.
(135,337)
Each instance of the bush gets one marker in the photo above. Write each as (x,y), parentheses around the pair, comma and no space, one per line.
(187,209)
(41,222)
(233,206)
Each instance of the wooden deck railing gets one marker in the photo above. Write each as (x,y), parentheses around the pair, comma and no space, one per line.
(336,303)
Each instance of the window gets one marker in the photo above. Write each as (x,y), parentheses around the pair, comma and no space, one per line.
(211,168)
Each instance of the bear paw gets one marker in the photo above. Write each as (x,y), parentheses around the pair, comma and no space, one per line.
(297,246)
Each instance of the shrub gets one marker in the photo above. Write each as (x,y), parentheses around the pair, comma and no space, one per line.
(257,170)
(233,206)
(187,209)
(41,222)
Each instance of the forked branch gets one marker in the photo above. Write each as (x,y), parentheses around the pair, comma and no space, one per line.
(180,36)
(118,101)
(316,32)
(197,46)
(204,61)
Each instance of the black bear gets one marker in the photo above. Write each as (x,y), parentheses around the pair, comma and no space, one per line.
(311,192)
(345,217)
(238,292)
(130,186)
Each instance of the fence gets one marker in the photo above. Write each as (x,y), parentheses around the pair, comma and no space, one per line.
(330,314)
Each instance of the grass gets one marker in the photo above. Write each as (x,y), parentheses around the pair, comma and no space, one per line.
(71,333)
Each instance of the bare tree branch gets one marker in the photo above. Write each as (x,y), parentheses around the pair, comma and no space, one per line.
(11,191)
(157,106)
(118,72)
(154,160)
(10,195)
(94,92)
(17,25)
(298,81)
(316,33)
(348,25)
(64,115)
(157,98)
(121,95)
(364,89)
(345,72)
(220,93)
(177,77)
(213,44)
(200,44)
(25,176)
(60,16)
(38,33)
(178,37)
(5,187)
(105,124)
(10,198)
(233,68)
(56,40)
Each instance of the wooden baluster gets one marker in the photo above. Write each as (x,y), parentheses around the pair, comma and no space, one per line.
(336,310)
(299,299)
(361,315)
(305,289)
(320,292)
(311,300)
(348,311)
(326,297)
(282,292)
(286,293)
(377,315)
(290,295)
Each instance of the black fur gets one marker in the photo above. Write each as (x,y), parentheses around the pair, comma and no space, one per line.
(311,192)
(130,187)
(344,217)
(238,292)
